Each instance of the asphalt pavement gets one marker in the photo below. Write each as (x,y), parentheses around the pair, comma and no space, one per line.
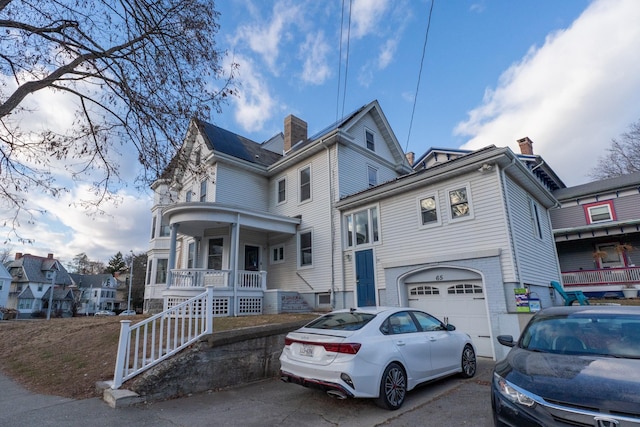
(449,402)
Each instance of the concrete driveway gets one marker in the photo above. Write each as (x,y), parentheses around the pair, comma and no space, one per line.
(452,401)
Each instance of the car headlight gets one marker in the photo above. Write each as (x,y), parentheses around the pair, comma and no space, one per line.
(512,392)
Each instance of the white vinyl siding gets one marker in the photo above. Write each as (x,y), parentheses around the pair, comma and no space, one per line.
(531,251)
(235,185)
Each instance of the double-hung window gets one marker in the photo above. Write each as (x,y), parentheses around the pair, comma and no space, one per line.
(282,190)
(429,211)
(305,248)
(203,191)
(371,145)
(305,183)
(600,212)
(161,271)
(277,254)
(535,219)
(372,176)
(460,203)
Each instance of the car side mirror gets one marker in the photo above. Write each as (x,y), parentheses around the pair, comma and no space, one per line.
(506,340)
(450,327)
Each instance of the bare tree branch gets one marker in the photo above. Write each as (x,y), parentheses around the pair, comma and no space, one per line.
(622,157)
(138,70)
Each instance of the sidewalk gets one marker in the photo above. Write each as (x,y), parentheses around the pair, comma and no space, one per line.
(266,403)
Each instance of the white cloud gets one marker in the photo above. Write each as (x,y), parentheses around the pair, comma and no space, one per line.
(264,35)
(314,52)
(570,96)
(366,16)
(66,230)
(254,104)
(387,51)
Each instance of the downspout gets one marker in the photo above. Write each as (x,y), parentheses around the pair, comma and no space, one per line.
(332,225)
(507,204)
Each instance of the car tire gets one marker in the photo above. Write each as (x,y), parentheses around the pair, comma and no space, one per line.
(468,362)
(393,387)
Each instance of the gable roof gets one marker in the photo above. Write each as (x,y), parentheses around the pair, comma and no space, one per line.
(32,268)
(93,280)
(503,157)
(618,183)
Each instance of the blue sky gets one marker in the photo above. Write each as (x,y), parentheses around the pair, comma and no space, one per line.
(564,73)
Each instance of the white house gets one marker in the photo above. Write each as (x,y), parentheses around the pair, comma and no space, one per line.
(97,292)
(340,219)
(5,284)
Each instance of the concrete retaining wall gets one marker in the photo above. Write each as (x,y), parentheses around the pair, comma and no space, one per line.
(220,360)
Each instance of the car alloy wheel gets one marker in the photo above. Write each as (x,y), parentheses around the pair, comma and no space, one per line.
(468,362)
(393,387)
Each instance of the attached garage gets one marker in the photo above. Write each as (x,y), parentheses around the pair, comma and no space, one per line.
(463,303)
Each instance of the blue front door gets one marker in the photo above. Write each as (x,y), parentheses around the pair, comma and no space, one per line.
(365,284)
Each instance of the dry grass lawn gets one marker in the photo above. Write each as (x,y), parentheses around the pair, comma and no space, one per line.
(66,357)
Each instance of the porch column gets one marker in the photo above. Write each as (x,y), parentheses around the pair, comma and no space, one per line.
(233,252)
(172,252)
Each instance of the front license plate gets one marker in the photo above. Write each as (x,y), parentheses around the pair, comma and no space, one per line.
(306,350)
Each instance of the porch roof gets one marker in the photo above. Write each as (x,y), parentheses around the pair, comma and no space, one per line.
(194,217)
(611,228)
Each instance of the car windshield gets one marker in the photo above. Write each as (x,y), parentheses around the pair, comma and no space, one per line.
(611,335)
(349,321)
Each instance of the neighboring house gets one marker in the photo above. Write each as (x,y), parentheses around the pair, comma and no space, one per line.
(340,219)
(5,284)
(97,292)
(597,234)
(32,278)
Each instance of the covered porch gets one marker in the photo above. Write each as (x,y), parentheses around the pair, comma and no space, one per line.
(226,247)
(604,282)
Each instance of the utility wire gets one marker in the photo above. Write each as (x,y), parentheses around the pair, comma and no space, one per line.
(415,98)
(339,64)
(346,66)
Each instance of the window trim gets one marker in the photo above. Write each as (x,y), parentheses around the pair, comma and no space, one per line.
(284,191)
(280,254)
(299,248)
(469,202)
(300,170)
(203,191)
(371,169)
(367,132)
(373,227)
(438,220)
(536,219)
(587,211)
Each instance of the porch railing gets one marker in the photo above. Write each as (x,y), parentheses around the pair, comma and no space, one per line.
(153,340)
(200,277)
(605,276)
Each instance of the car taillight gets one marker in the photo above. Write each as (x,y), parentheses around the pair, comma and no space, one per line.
(347,348)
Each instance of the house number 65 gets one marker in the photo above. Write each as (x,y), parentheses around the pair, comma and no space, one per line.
(439,277)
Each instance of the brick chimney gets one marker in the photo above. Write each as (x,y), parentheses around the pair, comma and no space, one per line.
(411,157)
(295,130)
(49,256)
(526,147)
(18,255)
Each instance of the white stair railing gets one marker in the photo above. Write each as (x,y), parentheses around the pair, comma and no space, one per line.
(153,340)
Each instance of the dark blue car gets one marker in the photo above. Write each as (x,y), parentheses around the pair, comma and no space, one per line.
(571,366)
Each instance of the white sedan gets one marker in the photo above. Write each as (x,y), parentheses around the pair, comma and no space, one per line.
(375,352)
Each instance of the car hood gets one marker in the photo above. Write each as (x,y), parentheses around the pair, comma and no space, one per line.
(605,383)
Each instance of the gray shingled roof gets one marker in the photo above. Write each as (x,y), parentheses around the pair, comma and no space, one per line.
(34,268)
(90,280)
(597,187)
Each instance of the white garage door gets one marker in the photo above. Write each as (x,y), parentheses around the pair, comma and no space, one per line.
(462,303)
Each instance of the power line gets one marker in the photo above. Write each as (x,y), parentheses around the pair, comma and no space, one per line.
(415,98)
(346,67)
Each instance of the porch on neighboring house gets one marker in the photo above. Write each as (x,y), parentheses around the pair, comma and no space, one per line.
(604,282)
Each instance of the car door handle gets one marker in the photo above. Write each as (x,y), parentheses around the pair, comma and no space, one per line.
(400,343)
